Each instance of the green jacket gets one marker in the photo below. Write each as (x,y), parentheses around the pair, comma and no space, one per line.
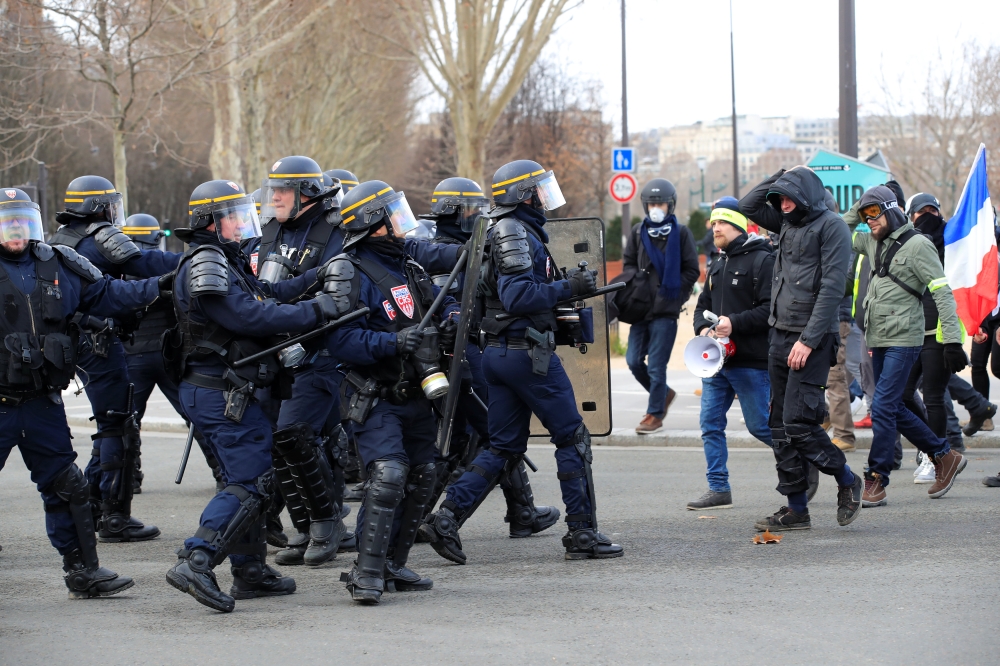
(895,317)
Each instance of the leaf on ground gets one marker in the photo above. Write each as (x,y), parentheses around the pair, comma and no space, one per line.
(706,517)
(982,458)
(767,537)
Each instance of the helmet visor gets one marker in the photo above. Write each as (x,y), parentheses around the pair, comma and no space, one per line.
(425,230)
(400,216)
(549,193)
(279,200)
(20,224)
(468,213)
(237,222)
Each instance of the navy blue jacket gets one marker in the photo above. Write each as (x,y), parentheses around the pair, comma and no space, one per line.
(151,263)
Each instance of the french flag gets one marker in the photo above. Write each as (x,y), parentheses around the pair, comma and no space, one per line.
(970,251)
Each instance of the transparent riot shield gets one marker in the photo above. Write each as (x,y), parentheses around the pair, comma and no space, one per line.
(572,240)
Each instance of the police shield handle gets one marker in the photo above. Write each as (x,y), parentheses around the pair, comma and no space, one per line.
(185,455)
(329,326)
(603,291)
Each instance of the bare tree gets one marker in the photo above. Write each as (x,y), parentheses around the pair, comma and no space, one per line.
(475,54)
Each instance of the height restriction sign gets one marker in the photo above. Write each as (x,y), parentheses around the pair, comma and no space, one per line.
(622,187)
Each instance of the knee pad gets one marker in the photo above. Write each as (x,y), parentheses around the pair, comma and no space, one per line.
(386,483)
(71,486)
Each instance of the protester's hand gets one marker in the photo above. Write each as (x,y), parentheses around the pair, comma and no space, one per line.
(955,359)
(798,356)
(706,332)
(409,339)
(980,337)
(724,327)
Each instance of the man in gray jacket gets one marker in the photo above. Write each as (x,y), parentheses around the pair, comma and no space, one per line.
(810,275)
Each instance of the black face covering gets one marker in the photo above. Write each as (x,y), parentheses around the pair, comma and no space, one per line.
(930,223)
(387,245)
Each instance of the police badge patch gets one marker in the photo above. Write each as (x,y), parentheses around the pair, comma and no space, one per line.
(253,262)
(10,193)
(389,310)
(403,299)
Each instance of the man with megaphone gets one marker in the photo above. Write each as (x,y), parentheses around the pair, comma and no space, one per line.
(738,291)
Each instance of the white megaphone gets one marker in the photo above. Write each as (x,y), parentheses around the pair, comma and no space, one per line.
(704,356)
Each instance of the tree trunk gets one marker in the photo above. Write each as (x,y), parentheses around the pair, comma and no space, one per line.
(121,165)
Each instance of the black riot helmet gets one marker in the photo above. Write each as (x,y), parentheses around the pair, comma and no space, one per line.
(256,200)
(348,181)
(289,180)
(19,217)
(372,204)
(457,202)
(92,196)
(659,191)
(225,204)
(143,229)
(525,181)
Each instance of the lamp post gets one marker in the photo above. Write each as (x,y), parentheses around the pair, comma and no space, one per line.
(626,214)
(702,163)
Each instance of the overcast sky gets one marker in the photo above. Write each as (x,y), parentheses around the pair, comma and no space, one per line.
(786,53)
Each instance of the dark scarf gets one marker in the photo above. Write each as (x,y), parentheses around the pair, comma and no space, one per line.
(668,262)
(385,246)
(932,226)
(230,248)
(533,217)
(448,228)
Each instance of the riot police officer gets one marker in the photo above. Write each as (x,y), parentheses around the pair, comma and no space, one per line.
(218,302)
(143,349)
(394,372)
(348,181)
(520,290)
(92,221)
(42,287)
(456,205)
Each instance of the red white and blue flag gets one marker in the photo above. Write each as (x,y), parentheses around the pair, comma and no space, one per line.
(970,251)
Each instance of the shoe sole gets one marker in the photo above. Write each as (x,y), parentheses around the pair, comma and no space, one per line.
(941,493)
(322,563)
(709,508)
(257,594)
(782,528)
(591,556)
(127,539)
(649,432)
(919,480)
(367,597)
(445,553)
(400,586)
(524,534)
(82,595)
(871,505)
(184,585)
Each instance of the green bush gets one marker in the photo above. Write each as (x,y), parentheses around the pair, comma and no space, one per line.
(613,237)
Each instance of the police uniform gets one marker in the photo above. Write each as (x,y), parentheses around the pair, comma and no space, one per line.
(217,301)
(523,373)
(42,288)
(91,223)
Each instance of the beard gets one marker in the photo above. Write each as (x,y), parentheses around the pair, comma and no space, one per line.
(721,242)
(881,232)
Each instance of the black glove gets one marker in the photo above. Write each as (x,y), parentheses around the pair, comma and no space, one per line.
(408,340)
(955,359)
(326,308)
(581,281)
(165,283)
(447,331)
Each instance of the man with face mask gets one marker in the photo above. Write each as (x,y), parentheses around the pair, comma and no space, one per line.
(42,288)
(664,249)
(905,265)
(810,276)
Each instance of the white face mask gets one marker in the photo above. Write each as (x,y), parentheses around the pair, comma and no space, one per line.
(657,215)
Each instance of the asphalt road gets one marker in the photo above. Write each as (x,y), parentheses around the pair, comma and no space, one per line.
(913,582)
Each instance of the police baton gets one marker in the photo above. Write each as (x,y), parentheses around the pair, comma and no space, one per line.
(329,326)
(609,289)
(459,265)
(185,456)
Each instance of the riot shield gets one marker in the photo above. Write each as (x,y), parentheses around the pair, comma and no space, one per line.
(572,240)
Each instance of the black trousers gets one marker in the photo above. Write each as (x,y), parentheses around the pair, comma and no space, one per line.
(981,353)
(798,407)
(930,364)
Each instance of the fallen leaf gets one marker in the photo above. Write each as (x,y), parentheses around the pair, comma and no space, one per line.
(706,517)
(697,391)
(982,458)
(767,537)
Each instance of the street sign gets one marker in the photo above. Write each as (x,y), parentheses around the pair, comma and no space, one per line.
(622,160)
(623,187)
(846,177)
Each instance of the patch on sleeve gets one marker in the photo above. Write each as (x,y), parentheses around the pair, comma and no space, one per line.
(389,310)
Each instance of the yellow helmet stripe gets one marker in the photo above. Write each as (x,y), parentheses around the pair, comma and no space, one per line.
(381,192)
(217,200)
(295,175)
(88,194)
(496,192)
(74,200)
(349,182)
(360,203)
(139,230)
(346,220)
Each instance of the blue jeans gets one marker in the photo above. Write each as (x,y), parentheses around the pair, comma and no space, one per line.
(653,339)
(891,366)
(717,393)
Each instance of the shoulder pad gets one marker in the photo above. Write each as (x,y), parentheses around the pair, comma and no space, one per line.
(510,247)
(43,252)
(209,272)
(65,235)
(338,281)
(78,263)
(114,245)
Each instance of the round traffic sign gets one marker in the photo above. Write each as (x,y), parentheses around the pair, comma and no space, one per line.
(623,187)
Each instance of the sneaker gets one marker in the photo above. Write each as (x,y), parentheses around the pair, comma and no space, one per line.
(671,394)
(992,481)
(843,445)
(976,421)
(857,404)
(783,520)
(712,500)
(948,466)
(849,501)
(649,425)
(864,423)
(926,472)
(874,493)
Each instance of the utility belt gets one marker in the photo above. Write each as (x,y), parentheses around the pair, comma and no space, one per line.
(540,345)
(10,397)
(34,366)
(368,391)
(237,390)
(99,332)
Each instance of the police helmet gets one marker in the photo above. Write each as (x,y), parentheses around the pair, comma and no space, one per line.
(457,202)
(225,204)
(348,181)
(521,181)
(659,191)
(19,217)
(256,200)
(92,196)
(371,204)
(289,180)
(921,200)
(143,229)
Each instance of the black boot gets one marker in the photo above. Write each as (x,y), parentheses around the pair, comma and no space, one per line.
(254,579)
(400,578)
(366,580)
(88,582)
(443,535)
(193,574)
(420,486)
(324,541)
(589,544)
(348,543)
(523,516)
(275,531)
(292,556)
(355,493)
(117,526)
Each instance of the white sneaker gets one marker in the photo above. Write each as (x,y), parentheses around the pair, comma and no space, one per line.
(857,404)
(920,458)
(925,473)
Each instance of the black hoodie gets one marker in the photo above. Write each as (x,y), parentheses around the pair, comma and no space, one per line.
(814,253)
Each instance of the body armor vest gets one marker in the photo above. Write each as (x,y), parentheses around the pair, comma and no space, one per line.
(489,292)
(306,257)
(39,348)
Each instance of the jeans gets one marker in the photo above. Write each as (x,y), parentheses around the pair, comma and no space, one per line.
(717,393)
(891,366)
(653,339)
